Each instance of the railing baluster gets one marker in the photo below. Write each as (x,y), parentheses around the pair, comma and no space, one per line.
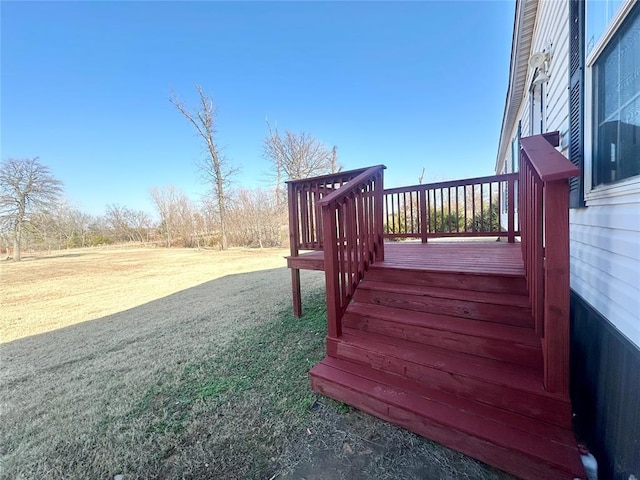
(441,226)
(469,208)
(510,210)
(341,257)
(424,227)
(482,208)
(349,241)
(430,215)
(457,209)
(490,207)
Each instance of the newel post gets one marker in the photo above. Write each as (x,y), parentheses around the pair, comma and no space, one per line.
(334,328)
(556,286)
(293,246)
(379,215)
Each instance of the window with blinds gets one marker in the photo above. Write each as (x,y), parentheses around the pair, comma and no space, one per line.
(616,102)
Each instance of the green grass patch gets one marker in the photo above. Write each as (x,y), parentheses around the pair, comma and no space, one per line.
(254,392)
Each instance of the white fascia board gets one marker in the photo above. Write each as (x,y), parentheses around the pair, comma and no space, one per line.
(523,28)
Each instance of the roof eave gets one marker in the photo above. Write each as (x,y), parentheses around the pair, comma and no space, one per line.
(524,23)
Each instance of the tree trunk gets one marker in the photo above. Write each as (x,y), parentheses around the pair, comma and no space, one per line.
(221,205)
(16,242)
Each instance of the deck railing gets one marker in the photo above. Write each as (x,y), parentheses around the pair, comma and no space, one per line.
(347,215)
(471,207)
(352,239)
(305,222)
(544,224)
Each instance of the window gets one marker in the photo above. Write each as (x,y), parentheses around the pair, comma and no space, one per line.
(600,14)
(616,106)
(536,102)
(515,151)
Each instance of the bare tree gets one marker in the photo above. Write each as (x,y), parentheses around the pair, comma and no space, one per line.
(127,224)
(26,187)
(165,200)
(176,215)
(298,155)
(256,218)
(215,169)
(421,177)
(63,227)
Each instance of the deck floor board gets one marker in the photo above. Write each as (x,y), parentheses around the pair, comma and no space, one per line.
(472,257)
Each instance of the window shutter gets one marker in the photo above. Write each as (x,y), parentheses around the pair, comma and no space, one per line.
(576,100)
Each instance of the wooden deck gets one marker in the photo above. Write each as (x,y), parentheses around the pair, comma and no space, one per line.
(470,256)
(439,338)
(465,342)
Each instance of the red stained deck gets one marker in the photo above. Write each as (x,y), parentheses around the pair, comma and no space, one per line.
(439,338)
(464,342)
(470,256)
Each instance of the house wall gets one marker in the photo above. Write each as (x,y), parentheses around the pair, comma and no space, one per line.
(605,275)
(605,388)
(552,34)
(605,320)
(605,262)
(605,236)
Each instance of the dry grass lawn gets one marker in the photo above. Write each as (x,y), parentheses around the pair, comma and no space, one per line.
(155,363)
(45,293)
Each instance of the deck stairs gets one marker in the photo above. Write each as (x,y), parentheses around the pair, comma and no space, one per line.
(452,356)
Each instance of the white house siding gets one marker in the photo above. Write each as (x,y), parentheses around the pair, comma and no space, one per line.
(605,254)
(605,262)
(605,239)
(551,33)
(605,269)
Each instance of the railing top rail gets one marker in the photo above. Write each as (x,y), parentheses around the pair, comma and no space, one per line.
(337,175)
(548,163)
(353,184)
(452,183)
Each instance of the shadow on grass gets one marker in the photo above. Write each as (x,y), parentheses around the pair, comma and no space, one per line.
(153,391)
(209,382)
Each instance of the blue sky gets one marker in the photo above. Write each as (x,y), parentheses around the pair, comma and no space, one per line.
(85,87)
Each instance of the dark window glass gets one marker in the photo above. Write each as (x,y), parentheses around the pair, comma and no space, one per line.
(617,106)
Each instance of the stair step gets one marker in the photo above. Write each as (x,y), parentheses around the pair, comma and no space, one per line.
(519,445)
(504,385)
(486,306)
(418,275)
(491,298)
(497,341)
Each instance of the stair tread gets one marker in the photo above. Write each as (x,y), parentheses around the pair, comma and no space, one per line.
(480,260)
(458,363)
(553,445)
(488,307)
(449,293)
(542,429)
(497,383)
(407,264)
(479,328)
(415,275)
